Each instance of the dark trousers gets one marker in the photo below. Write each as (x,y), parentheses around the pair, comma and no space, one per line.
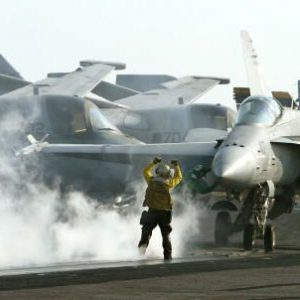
(163,219)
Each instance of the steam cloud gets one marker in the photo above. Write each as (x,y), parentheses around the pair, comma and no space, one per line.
(38,227)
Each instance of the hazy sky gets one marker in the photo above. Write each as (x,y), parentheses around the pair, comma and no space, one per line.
(177,37)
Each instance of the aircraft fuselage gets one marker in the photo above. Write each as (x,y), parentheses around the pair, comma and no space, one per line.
(252,155)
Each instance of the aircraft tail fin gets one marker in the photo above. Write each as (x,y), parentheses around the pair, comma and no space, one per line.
(7,69)
(254,71)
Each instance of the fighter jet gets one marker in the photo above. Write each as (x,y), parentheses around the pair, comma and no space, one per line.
(258,162)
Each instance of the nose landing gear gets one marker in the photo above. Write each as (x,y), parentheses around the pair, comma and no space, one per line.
(263,199)
(252,219)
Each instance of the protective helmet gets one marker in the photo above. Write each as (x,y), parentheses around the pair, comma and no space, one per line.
(164,171)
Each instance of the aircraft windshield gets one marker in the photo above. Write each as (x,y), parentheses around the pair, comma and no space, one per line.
(66,115)
(259,110)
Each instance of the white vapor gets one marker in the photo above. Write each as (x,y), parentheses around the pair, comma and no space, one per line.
(38,227)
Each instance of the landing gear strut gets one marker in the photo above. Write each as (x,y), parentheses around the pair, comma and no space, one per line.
(261,203)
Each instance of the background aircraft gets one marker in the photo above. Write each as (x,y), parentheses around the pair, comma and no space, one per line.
(258,162)
(57,107)
(66,107)
(160,115)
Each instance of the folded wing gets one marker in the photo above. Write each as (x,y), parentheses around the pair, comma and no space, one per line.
(78,83)
(180,91)
(133,153)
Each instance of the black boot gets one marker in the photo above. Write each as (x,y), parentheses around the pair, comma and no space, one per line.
(167,256)
(167,247)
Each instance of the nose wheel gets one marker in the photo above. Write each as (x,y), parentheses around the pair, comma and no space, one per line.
(250,237)
(269,238)
(222,228)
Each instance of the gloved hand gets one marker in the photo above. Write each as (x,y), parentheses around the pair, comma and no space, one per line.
(156,160)
(174,162)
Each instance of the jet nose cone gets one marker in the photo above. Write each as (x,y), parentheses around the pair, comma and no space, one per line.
(234,166)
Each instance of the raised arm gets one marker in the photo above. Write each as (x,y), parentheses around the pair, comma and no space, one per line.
(148,172)
(177,176)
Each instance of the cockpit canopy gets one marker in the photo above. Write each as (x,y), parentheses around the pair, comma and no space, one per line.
(72,115)
(259,110)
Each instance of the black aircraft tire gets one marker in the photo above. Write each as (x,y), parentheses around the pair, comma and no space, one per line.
(249,237)
(269,238)
(222,228)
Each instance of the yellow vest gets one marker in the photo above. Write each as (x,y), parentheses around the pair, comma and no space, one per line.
(158,196)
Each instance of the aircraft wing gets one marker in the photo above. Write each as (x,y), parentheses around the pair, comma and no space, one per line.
(78,83)
(180,91)
(132,153)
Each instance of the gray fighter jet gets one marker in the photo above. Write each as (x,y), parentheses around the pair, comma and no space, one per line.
(258,163)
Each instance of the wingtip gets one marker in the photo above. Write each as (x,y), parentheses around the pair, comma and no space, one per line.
(115,65)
